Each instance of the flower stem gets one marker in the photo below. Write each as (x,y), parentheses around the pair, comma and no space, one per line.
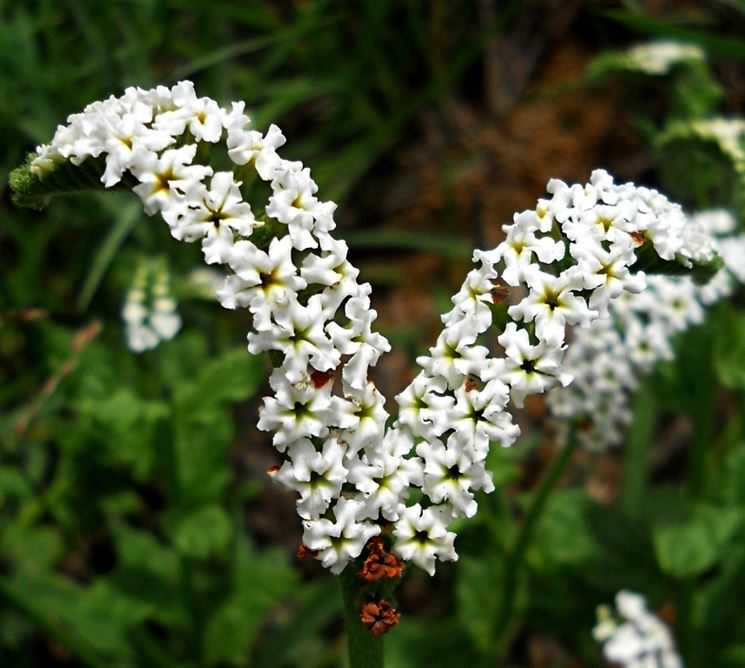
(522,541)
(364,649)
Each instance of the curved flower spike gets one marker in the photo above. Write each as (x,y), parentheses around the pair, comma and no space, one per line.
(573,256)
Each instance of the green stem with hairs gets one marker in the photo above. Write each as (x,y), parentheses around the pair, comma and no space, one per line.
(364,649)
(515,556)
(34,192)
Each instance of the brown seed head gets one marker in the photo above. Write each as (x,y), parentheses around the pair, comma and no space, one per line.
(379,616)
(380,564)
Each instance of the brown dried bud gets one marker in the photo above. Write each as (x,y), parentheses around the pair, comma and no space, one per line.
(500,294)
(379,617)
(320,378)
(638,238)
(273,469)
(380,564)
(304,551)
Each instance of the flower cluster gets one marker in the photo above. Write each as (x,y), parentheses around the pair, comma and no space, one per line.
(569,257)
(608,360)
(727,133)
(659,57)
(639,639)
(283,265)
(149,311)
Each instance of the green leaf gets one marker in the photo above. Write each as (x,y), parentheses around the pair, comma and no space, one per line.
(147,578)
(718,613)
(258,584)
(689,543)
(201,445)
(297,637)
(478,594)
(729,486)
(234,376)
(12,484)
(564,534)
(62,608)
(31,550)
(200,534)
(734,655)
(726,47)
(138,549)
(431,642)
(127,425)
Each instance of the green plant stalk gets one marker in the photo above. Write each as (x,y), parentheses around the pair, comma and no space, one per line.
(364,649)
(704,421)
(636,452)
(522,541)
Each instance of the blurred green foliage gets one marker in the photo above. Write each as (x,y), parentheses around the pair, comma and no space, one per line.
(124,539)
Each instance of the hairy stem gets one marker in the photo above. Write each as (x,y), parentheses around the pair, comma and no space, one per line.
(364,649)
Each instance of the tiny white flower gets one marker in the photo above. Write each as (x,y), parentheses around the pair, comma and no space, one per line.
(250,146)
(317,476)
(294,203)
(338,542)
(201,116)
(530,369)
(422,537)
(295,411)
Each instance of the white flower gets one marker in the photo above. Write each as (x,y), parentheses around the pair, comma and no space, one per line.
(424,408)
(166,178)
(350,470)
(332,269)
(454,357)
(422,537)
(522,245)
(338,542)
(474,298)
(639,639)
(296,411)
(552,304)
(450,476)
(383,478)
(294,203)
(530,369)
(265,282)
(479,418)
(317,476)
(298,333)
(368,416)
(201,116)
(606,272)
(149,312)
(250,146)
(129,143)
(358,340)
(658,57)
(216,216)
